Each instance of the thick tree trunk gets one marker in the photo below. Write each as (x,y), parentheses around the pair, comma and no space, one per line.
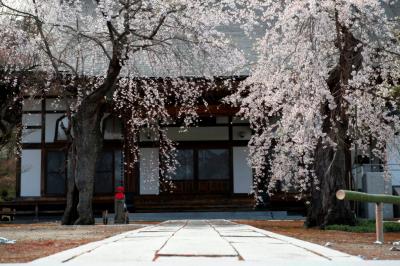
(332,170)
(86,148)
(88,145)
(333,166)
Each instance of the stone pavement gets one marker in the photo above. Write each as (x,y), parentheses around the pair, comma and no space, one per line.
(198,241)
(201,242)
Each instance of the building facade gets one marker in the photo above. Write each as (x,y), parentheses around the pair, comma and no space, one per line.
(212,171)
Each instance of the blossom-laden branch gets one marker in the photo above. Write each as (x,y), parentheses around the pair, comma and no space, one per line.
(107,42)
(291,103)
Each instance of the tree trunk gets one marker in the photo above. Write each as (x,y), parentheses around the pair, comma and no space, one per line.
(87,145)
(333,165)
(70,213)
(88,142)
(332,171)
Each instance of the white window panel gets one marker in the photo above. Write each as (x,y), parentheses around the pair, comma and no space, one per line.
(30,173)
(31,135)
(51,120)
(32,119)
(242,173)
(393,157)
(149,171)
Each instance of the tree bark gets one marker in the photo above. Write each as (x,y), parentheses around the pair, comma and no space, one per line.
(85,149)
(332,171)
(87,145)
(70,213)
(88,142)
(333,165)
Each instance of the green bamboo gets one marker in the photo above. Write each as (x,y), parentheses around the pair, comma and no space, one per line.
(365,197)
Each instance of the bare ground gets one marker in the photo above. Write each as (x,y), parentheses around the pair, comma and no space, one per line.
(39,240)
(351,243)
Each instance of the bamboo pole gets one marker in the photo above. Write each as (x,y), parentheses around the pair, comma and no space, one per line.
(378,199)
(360,196)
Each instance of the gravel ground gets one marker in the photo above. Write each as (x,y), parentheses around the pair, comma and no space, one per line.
(358,244)
(60,232)
(38,240)
(43,239)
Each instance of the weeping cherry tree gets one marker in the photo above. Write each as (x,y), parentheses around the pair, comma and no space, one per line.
(93,51)
(321,89)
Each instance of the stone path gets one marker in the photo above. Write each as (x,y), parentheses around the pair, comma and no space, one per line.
(196,242)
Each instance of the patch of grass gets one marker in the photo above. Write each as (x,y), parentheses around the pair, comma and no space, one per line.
(391,227)
(365,226)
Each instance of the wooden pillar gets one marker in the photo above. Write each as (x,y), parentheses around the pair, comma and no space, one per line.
(379,222)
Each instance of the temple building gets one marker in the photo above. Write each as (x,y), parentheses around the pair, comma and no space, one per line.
(212,174)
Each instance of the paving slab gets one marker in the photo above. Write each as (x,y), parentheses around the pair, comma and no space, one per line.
(197,260)
(197,238)
(202,242)
(251,251)
(141,250)
(262,241)
(241,234)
